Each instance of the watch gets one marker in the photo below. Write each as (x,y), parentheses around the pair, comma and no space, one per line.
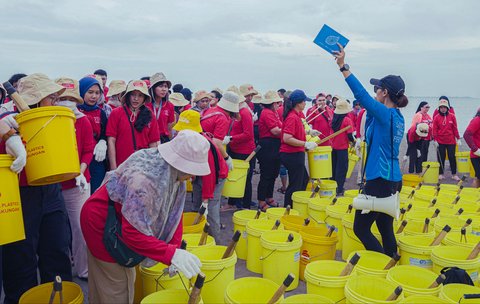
(9,134)
(345,67)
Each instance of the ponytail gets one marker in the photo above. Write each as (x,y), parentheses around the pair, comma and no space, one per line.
(143,119)
(287,107)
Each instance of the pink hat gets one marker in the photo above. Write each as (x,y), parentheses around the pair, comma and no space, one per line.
(187,152)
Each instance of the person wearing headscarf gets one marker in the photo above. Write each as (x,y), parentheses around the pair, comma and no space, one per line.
(145,196)
(472,138)
(201,101)
(131,127)
(162,109)
(445,138)
(46,247)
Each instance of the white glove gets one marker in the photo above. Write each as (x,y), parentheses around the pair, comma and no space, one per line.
(255,117)
(186,262)
(15,148)
(172,270)
(205,205)
(229,163)
(81,181)
(100,150)
(314,132)
(310,145)
(477,153)
(11,121)
(405,158)
(226,140)
(459,142)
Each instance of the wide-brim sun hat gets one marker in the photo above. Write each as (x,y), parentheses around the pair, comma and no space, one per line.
(229,102)
(35,87)
(257,99)
(235,90)
(137,85)
(178,100)
(199,95)
(271,97)
(443,103)
(422,129)
(71,88)
(342,106)
(117,87)
(159,77)
(189,120)
(247,89)
(218,90)
(187,152)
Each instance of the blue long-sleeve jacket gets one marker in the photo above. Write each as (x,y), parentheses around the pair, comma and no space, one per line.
(381,124)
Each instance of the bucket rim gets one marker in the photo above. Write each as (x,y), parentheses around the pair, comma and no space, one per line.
(44,112)
(281,246)
(215,264)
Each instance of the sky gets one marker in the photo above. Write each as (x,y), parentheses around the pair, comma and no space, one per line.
(433,44)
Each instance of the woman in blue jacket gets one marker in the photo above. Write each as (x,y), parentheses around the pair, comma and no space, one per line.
(385,128)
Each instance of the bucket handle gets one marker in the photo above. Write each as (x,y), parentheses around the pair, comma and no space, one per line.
(313,257)
(208,281)
(264,258)
(319,222)
(43,127)
(238,178)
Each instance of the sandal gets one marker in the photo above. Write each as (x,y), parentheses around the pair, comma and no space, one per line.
(227,207)
(281,190)
(263,207)
(272,203)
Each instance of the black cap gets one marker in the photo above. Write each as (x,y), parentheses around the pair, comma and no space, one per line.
(394,84)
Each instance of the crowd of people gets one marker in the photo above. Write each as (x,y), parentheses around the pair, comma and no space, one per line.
(138,142)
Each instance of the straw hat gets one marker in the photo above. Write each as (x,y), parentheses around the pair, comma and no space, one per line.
(443,103)
(71,88)
(257,99)
(343,107)
(271,97)
(136,85)
(116,87)
(218,90)
(422,129)
(35,87)
(229,102)
(187,152)
(199,95)
(159,77)
(247,89)
(234,89)
(178,100)
(188,120)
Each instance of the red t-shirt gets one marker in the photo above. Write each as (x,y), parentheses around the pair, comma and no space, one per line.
(472,135)
(216,122)
(93,218)
(323,123)
(340,142)
(251,105)
(243,141)
(353,118)
(105,93)
(268,120)
(280,112)
(164,117)
(293,125)
(85,145)
(118,126)
(445,130)
(95,121)
(209,181)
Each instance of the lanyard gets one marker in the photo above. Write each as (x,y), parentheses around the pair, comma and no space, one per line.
(157,114)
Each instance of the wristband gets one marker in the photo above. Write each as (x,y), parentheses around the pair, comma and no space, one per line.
(9,134)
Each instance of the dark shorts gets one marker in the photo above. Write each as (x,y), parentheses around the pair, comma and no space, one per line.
(476,166)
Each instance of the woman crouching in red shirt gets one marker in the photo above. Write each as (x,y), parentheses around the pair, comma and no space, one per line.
(142,202)
(293,144)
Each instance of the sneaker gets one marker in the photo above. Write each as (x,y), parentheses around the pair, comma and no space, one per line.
(456,178)
(440,177)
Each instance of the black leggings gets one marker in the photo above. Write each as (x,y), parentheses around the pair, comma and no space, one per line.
(415,164)
(441,152)
(297,174)
(362,225)
(269,160)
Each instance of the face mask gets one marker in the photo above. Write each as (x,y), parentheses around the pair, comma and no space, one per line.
(67,103)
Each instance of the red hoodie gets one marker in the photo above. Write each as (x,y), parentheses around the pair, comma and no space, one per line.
(472,135)
(445,129)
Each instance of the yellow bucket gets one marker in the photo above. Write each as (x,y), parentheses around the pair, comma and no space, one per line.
(193,239)
(320,162)
(52,155)
(414,280)
(11,215)
(323,278)
(415,250)
(454,292)
(280,257)
(254,247)
(187,221)
(328,188)
(237,178)
(300,202)
(353,193)
(295,223)
(361,289)
(168,296)
(415,228)
(352,162)
(153,279)
(72,294)
(431,175)
(371,263)
(189,185)
(316,246)
(455,223)
(240,220)
(307,299)
(276,213)
(334,217)
(411,180)
(449,256)
(351,242)
(456,239)
(475,222)
(418,299)
(250,290)
(218,272)
(463,162)
(316,208)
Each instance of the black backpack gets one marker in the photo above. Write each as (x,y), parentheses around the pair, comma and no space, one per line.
(456,275)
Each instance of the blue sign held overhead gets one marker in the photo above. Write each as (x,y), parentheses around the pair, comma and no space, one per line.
(327,39)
